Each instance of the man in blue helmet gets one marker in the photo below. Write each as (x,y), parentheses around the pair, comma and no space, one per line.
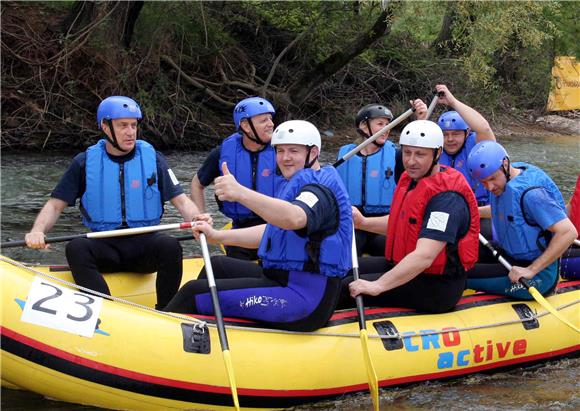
(121,182)
(532,229)
(462,129)
(251,159)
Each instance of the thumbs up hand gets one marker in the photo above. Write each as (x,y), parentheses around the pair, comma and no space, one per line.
(226,187)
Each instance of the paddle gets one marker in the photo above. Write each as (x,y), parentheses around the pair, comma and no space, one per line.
(219,320)
(577,242)
(372,138)
(433,104)
(364,338)
(106,234)
(533,291)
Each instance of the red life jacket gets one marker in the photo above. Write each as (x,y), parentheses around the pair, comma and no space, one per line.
(408,209)
(575,206)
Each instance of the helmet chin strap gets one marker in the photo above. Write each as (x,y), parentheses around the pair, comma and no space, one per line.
(113,140)
(308,164)
(435,161)
(506,172)
(255,138)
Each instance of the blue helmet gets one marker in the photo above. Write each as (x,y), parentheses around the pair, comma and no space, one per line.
(451,120)
(250,107)
(485,159)
(117,107)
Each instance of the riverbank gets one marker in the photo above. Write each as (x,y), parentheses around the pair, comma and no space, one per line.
(510,126)
(60,59)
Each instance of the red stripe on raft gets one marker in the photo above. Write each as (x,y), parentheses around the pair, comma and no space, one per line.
(108,368)
(568,283)
(275,393)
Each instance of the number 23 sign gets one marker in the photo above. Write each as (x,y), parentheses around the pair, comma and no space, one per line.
(51,305)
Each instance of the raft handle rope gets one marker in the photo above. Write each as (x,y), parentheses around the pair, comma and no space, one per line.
(197,323)
(202,324)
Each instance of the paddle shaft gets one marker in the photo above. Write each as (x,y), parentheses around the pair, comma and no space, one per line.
(495,253)
(106,234)
(577,242)
(532,290)
(432,106)
(213,291)
(219,319)
(359,299)
(371,373)
(372,138)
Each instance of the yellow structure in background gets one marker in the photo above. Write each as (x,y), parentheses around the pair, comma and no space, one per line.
(565,93)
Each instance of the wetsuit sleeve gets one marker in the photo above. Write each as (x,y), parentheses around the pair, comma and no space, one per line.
(168,184)
(446,218)
(210,169)
(72,183)
(399,167)
(541,209)
(321,208)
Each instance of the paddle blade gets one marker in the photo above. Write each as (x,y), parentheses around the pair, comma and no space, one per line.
(540,299)
(371,373)
(231,377)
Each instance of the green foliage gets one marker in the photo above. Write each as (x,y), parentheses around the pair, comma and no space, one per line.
(487,29)
(566,21)
(420,19)
(495,54)
(187,27)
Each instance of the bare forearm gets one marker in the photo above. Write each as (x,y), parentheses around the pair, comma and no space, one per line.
(48,216)
(485,211)
(408,268)
(186,207)
(412,264)
(562,239)
(377,225)
(243,237)
(475,121)
(198,194)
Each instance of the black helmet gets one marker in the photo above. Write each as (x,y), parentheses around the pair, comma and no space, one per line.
(372,111)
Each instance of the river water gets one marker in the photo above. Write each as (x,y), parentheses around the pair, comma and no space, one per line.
(27,180)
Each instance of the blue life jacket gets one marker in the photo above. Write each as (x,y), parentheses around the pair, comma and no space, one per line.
(459,162)
(121,193)
(370,180)
(256,171)
(328,253)
(520,238)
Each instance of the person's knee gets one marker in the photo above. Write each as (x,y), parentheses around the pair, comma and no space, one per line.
(168,247)
(77,250)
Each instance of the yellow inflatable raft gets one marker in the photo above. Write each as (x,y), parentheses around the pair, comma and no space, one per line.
(62,343)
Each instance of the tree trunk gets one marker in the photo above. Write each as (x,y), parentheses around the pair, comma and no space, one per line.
(81,14)
(123,16)
(444,43)
(302,88)
(132,10)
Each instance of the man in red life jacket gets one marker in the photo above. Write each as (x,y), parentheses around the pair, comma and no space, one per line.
(432,231)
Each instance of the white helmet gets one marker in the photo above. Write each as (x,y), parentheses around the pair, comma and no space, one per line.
(422,133)
(297,132)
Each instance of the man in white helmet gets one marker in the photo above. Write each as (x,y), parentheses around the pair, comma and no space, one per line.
(432,231)
(304,247)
